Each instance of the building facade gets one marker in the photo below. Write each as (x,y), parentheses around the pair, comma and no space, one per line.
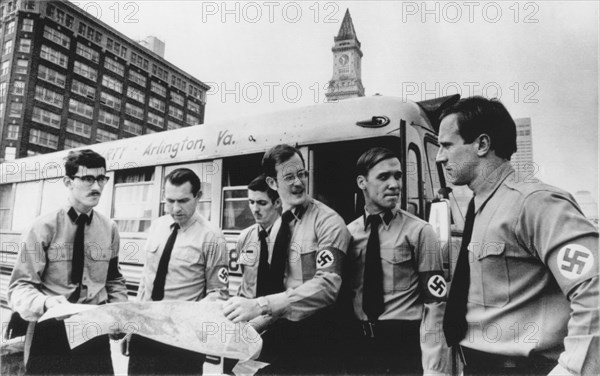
(67,79)
(522,160)
(347,56)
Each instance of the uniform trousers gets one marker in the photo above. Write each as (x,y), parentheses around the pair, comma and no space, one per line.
(50,353)
(383,348)
(482,363)
(305,347)
(151,357)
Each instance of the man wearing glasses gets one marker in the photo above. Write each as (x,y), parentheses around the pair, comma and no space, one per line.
(305,273)
(68,256)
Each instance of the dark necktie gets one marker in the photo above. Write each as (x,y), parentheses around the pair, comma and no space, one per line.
(78,256)
(262,279)
(373,273)
(455,317)
(158,291)
(280,254)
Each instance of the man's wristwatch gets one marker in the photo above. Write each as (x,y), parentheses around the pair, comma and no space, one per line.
(263,303)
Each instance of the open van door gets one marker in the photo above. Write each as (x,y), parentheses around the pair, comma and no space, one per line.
(439,219)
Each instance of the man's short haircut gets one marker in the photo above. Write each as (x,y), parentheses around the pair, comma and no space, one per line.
(86,157)
(478,115)
(182,175)
(259,184)
(278,155)
(371,157)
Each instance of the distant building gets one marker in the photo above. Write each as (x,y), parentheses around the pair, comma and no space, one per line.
(67,80)
(346,81)
(522,160)
(154,44)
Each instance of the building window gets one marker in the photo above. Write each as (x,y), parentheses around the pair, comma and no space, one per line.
(42,138)
(132,127)
(83,89)
(90,33)
(78,127)
(87,52)
(110,101)
(156,120)
(108,119)
(15,109)
(137,78)
(59,16)
(173,125)
(48,96)
(157,104)
(81,108)
(9,28)
(6,195)
(134,111)
(13,132)
(138,60)
(191,120)
(4,68)
(177,98)
(46,117)
(193,106)
(112,83)
(54,56)
(116,47)
(176,113)
(10,154)
(18,88)
(104,136)
(113,66)
(25,45)
(132,201)
(22,66)
(136,94)
(52,76)
(7,47)
(3,86)
(158,89)
(70,143)
(27,24)
(85,71)
(56,36)
(160,72)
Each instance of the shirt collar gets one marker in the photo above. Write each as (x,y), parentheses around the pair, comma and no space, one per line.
(299,210)
(195,218)
(491,182)
(74,214)
(386,216)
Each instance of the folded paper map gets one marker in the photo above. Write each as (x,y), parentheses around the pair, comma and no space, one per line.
(195,326)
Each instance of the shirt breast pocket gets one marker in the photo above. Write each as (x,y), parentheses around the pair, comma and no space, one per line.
(397,268)
(494,276)
(188,254)
(58,252)
(249,255)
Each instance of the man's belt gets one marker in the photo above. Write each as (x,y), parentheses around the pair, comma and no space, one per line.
(388,327)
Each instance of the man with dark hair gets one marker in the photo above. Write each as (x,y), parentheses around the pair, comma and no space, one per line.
(525,290)
(70,255)
(186,258)
(305,272)
(395,279)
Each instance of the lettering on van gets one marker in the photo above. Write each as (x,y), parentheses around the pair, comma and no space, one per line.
(225,138)
(173,148)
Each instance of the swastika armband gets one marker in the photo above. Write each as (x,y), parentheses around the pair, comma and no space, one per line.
(433,286)
(330,259)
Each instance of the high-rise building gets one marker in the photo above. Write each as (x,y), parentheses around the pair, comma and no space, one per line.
(522,160)
(67,79)
(346,81)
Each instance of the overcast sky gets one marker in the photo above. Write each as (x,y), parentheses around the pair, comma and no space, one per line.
(540,58)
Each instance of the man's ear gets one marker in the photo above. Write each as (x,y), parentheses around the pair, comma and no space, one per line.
(278,203)
(198,195)
(484,144)
(272,183)
(67,181)
(361,181)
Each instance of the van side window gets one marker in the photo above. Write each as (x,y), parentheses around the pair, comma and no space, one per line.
(414,179)
(132,201)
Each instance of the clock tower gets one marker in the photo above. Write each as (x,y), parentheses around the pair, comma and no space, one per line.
(346,81)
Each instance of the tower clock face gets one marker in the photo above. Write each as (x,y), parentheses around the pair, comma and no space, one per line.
(343,60)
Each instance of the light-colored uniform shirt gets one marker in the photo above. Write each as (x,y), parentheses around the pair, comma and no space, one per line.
(198,263)
(313,274)
(248,247)
(413,282)
(534,274)
(44,264)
